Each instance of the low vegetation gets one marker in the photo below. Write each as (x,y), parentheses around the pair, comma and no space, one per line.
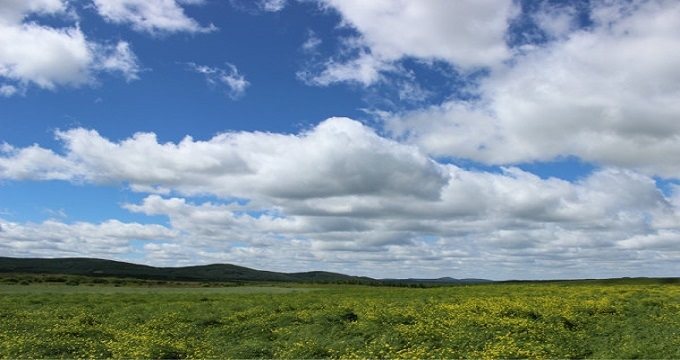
(47,319)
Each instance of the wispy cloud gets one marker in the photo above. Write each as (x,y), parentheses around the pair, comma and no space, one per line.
(229,77)
(312,43)
(273,5)
(120,59)
(8,90)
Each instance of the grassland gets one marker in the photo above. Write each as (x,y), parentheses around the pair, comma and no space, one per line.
(522,320)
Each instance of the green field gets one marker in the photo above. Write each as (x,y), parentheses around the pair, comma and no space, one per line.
(524,320)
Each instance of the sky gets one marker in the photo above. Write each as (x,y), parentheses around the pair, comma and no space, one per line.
(498,139)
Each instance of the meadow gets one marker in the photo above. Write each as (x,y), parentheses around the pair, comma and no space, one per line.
(501,320)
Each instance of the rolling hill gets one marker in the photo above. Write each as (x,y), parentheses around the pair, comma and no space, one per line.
(213,273)
(110,268)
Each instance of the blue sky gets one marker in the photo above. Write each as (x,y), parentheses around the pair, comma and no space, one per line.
(495,139)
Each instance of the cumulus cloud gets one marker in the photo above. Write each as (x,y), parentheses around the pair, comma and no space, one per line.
(35,163)
(608,94)
(336,158)
(482,223)
(467,34)
(340,197)
(55,238)
(230,77)
(45,56)
(151,16)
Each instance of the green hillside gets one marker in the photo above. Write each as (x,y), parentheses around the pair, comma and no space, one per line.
(110,268)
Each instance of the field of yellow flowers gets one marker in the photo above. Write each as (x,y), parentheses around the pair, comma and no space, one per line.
(525,320)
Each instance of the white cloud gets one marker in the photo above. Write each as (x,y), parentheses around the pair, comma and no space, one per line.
(119,58)
(151,16)
(142,160)
(312,43)
(466,34)
(31,53)
(483,223)
(557,21)
(365,70)
(54,238)
(272,5)
(217,224)
(339,197)
(8,90)
(35,163)
(336,158)
(608,95)
(14,11)
(230,77)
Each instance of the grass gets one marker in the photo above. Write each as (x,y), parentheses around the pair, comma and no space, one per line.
(541,320)
(38,290)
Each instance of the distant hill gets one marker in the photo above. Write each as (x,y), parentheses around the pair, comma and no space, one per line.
(232,273)
(110,268)
(214,273)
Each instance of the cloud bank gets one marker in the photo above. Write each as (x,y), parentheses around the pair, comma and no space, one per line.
(341,195)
